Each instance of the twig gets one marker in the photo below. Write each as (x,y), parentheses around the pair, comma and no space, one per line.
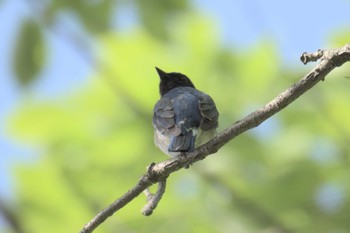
(143,184)
(159,172)
(308,57)
(153,199)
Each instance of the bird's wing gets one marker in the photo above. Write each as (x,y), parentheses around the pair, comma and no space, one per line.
(210,114)
(173,126)
(164,118)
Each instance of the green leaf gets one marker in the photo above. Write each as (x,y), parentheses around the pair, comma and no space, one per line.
(29,53)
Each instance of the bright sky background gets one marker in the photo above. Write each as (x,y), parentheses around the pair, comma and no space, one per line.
(295,26)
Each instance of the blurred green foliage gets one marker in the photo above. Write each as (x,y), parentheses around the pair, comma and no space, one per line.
(30,51)
(94,15)
(94,144)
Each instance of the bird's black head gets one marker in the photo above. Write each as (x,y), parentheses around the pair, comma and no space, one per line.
(172,80)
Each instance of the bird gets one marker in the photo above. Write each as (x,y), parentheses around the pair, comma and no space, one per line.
(184,117)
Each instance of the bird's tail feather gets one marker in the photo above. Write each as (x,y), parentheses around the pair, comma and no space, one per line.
(182,143)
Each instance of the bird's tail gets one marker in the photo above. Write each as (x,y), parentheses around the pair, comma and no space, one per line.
(182,143)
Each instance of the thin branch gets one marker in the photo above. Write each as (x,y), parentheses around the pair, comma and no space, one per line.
(308,57)
(160,171)
(153,199)
(143,184)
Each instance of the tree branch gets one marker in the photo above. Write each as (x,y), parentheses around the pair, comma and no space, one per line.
(153,199)
(329,59)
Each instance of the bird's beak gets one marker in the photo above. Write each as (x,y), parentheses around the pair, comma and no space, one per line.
(161,73)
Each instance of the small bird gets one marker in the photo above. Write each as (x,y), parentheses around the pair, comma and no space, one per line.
(184,117)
